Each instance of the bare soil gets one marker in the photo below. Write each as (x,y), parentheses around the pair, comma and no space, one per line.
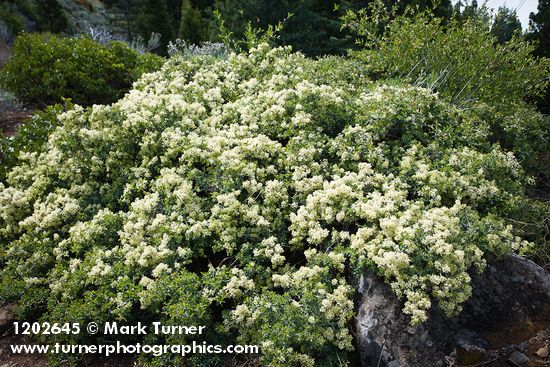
(529,347)
(10,120)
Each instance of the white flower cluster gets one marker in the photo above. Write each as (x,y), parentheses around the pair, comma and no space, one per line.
(275,175)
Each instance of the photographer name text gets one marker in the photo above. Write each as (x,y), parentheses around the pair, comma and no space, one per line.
(107,328)
(113,328)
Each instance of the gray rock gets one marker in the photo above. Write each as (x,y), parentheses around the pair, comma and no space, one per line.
(522,347)
(510,294)
(519,358)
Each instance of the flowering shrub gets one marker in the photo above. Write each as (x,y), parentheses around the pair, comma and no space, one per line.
(464,62)
(30,136)
(244,193)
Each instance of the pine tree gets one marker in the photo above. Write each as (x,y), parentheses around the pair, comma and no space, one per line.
(174,10)
(464,11)
(153,17)
(51,16)
(193,26)
(505,25)
(539,24)
(315,28)
(540,27)
(127,11)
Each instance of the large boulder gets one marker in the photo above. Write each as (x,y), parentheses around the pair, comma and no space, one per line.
(510,303)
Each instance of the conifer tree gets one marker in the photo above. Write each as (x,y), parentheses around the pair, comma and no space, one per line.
(51,16)
(193,26)
(539,24)
(153,17)
(505,25)
(540,27)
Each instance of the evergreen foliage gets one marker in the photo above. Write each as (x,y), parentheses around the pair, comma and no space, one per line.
(51,16)
(193,26)
(506,25)
(153,17)
(540,32)
(45,69)
(540,27)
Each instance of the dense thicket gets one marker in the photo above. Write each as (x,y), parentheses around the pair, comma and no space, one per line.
(244,193)
(45,69)
(43,15)
(464,63)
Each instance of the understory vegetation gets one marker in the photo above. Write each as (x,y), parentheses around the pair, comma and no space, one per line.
(45,69)
(248,190)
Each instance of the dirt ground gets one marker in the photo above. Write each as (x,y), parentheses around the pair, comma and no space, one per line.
(532,348)
(9,359)
(10,120)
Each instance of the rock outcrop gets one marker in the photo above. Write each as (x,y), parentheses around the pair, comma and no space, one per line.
(510,303)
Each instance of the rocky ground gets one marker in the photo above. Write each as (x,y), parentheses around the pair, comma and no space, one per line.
(506,322)
(533,351)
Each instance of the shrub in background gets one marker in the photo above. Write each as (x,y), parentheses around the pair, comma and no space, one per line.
(460,60)
(465,64)
(10,19)
(45,69)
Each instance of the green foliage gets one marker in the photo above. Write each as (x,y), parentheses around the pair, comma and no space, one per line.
(244,194)
(45,69)
(506,25)
(251,37)
(314,28)
(5,156)
(153,17)
(540,23)
(51,16)
(127,10)
(462,62)
(10,18)
(532,220)
(540,32)
(471,11)
(30,136)
(141,18)
(146,63)
(193,27)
